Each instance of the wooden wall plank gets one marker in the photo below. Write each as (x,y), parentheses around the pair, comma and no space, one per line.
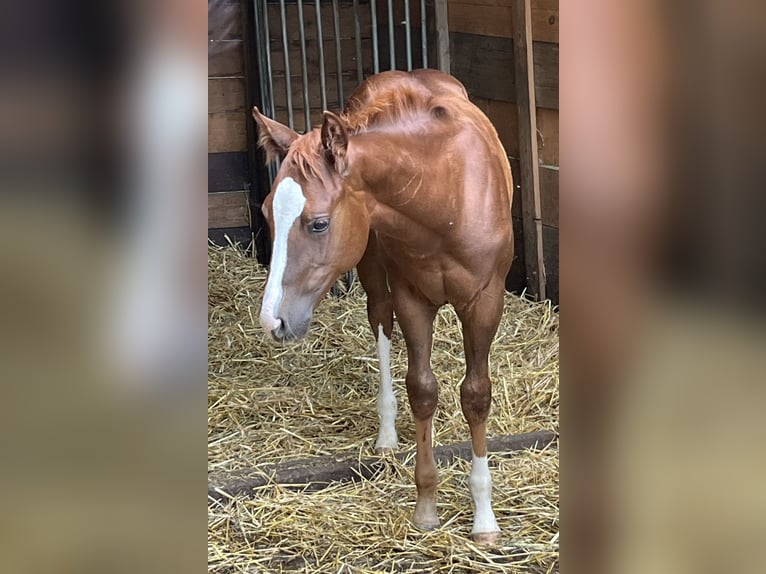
(227,209)
(227,171)
(482,20)
(515,282)
(548,136)
(504,116)
(225,95)
(225,58)
(549,193)
(477,61)
(226,131)
(495,18)
(225,22)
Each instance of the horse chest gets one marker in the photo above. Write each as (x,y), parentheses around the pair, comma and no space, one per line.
(436,275)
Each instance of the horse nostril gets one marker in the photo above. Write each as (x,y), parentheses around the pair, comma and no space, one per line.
(279,332)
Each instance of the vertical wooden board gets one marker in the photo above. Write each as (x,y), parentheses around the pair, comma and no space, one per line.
(225,95)
(546,64)
(516,280)
(548,136)
(505,117)
(225,59)
(226,131)
(516,174)
(551,251)
(549,196)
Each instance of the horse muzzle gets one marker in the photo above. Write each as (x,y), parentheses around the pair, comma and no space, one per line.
(287,332)
(283,330)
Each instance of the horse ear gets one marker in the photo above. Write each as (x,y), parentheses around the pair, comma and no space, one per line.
(273,137)
(335,140)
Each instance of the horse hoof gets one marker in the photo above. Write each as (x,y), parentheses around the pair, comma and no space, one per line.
(486,538)
(427,526)
(383,450)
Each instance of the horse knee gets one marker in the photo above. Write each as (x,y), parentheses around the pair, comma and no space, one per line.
(381,312)
(475,398)
(423,393)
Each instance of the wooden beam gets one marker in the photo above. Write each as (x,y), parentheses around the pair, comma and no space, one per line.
(441,18)
(319,472)
(530,176)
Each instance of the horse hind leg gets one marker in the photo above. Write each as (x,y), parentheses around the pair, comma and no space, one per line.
(380,314)
(480,321)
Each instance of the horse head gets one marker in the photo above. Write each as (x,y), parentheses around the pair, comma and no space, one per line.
(319,225)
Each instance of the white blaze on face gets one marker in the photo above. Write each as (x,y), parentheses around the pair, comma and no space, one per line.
(286,209)
(481,491)
(386,398)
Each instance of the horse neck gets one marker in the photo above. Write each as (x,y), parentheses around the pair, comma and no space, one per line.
(377,168)
(390,169)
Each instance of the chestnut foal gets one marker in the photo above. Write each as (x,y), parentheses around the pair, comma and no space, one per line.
(412,185)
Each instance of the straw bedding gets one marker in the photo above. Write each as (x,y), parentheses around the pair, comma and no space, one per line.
(269,404)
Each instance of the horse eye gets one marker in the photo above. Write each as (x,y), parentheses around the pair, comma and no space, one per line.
(320,225)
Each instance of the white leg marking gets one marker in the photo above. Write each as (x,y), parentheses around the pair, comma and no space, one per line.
(386,398)
(287,207)
(481,490)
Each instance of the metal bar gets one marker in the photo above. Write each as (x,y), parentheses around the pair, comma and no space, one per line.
(391,49)
(358,43)
(408,33)
(267,82)
(304,69)
(338,64)
(423,33)
(441,21)
(264,41)
(260,50)
(320,39)
(288,81)
(374,14)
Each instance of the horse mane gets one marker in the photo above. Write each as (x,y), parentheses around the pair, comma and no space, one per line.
(384,105)
(306,153)
(373,106)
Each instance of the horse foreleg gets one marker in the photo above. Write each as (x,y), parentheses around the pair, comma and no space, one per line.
(416,318)
(480,321)
(380,314)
